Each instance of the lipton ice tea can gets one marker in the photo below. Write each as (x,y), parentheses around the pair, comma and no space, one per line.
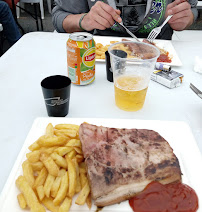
(81,58)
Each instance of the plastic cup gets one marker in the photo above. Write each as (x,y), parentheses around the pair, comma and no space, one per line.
(131,75)
(56,92)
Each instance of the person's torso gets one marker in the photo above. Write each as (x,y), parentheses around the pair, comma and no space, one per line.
(136,16)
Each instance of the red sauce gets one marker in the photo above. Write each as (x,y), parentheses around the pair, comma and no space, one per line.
(164,58)
(173,197)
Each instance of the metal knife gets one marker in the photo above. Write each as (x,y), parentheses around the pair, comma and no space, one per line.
(112,3)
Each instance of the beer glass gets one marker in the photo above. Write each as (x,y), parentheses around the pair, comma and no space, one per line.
(132,74)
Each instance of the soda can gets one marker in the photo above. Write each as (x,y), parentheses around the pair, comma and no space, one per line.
(81,58)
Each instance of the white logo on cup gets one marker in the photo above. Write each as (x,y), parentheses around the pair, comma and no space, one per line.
(55,101)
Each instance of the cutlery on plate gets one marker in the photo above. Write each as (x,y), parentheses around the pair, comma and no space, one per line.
(196,90)
(128,31)
(154,33)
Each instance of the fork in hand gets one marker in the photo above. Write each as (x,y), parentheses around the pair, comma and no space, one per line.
(154,33)
(196,90)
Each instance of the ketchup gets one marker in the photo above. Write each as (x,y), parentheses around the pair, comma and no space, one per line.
(173,197)
(164,58)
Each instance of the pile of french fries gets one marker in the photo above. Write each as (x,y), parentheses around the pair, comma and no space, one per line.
(54,172)
(101,49)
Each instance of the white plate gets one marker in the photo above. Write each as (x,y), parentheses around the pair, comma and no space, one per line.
(165,44)
(178,135)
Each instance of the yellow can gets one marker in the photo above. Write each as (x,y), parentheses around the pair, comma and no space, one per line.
(81,58)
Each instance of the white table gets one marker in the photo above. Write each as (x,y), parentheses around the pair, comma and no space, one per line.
(188,35)
(38,55)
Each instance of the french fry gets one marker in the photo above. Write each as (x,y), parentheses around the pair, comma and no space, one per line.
(63,150)
(48,150)
(81,199)
(28,172)
(78,150)
(98,52)
(72,177)
(48,202)
(40,192)
(71,154)
(62,192)
(37,166)
(59,160)
(82,166)
(113,42)
(34,156)
(67,126)
(29,195)
(21,200)
(48,141)
(88,201)
(49,130)
(65,206)
(50,165)
(48,184)
(55,187)
(62,172)
(97,56)
(59,133)
(34,146)
(83,179)
(98,45)
(78,183)
(41,178)
(79,158)
(74,143)
(68,132)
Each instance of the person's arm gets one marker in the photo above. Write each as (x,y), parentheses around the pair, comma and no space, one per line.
(182,13)
(100,16)
(65,8)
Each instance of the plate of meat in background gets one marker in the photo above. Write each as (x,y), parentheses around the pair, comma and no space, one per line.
(168,54)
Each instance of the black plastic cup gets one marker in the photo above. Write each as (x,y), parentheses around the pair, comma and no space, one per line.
(119,53)
(56,92)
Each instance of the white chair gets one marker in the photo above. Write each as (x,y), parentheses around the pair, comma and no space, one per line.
(49,5)
(1,40)
(199,5)
(31,2)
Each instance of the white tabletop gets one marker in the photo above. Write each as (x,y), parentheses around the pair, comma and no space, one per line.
(38,55)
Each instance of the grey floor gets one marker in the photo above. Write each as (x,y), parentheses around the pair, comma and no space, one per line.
(29,24)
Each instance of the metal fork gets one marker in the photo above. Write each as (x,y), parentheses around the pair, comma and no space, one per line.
(196,90)
(154,33)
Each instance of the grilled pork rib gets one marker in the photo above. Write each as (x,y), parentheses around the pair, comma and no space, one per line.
(122,162)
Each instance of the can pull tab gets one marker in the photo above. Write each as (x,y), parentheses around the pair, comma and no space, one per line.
(82,37)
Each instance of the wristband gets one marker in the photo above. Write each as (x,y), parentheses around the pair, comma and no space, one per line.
(81,19)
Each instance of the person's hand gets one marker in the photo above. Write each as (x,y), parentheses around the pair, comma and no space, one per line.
(182,15)
(101,16)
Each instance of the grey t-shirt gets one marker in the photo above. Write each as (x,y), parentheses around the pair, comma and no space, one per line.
(133,13)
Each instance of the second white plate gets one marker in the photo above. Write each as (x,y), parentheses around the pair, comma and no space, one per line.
(178,135)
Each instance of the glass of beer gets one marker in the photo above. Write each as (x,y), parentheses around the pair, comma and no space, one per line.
(132,74)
